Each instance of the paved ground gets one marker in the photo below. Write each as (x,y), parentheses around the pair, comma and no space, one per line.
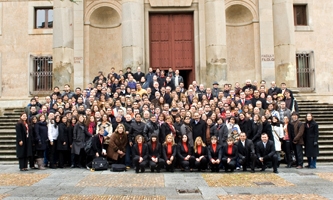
(85,185)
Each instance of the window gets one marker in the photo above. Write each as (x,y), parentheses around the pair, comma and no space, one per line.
(43,18)
(300,15)
(42,73)
(305,71)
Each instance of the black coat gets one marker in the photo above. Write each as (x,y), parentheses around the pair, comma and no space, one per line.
(164,151)
(310,136)
(149,129)
(199,129)
(204,152)
(164,131)
(181,153)
(157,152)
(245,126)
(267,128)
(247,150)
(63,137)
(41,135)
(234,154)
(136,153)
(137,76)
(136,129)
(80,136)
(21,135)
(256,132)
(267,152)
(214,154)
(96,145)
(274,90)
(221,132)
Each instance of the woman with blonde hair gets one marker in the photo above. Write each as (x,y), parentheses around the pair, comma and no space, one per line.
(117,145)
(169,153)
(200,154)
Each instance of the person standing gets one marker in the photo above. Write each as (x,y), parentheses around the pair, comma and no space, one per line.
(23,142)
(63,141)
(80,136)
(311,141)
(298,139)
(140,154)
(41,139)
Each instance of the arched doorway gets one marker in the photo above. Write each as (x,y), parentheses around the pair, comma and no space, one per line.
(241,43)
(103,41)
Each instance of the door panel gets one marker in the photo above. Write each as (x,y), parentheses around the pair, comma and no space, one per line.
(171,42)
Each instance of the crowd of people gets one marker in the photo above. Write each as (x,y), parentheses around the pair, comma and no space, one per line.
(152,121)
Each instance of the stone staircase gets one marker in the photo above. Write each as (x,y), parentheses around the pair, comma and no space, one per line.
(7,135)
(322,112)
(323,115)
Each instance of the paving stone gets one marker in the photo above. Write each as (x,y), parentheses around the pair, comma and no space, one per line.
(123,180)
(169,191)
(109,197)
(118,190)
(245,180)
(21,179)
(93,190)
(272,197)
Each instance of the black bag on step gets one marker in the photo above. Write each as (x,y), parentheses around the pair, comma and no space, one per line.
(100,163)
(118,168)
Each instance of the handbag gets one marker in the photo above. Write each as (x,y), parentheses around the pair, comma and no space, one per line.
(118,168)
(100,163)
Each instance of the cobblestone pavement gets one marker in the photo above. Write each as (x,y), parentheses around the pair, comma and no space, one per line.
(66,184)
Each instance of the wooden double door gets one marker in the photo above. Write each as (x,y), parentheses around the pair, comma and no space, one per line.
(171,38)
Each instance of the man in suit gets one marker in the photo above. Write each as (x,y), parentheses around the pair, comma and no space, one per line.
(177,79)
(242,99)
(216,89)
(274,89)
(265,151)
(246,152)
(137,76)
(198,127)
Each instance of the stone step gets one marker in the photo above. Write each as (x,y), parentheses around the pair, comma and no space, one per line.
(8,157)
(6,162)
(7,141)
(8,146)
(7,127)
(12,123)
(324,159)
(7,131)
(7,151)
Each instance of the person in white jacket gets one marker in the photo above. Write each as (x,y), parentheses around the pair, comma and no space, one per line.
(278,134)
(53,136)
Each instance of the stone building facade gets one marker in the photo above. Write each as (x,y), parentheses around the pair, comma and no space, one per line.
(208,40)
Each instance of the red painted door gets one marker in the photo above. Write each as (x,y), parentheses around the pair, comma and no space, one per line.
(171,42)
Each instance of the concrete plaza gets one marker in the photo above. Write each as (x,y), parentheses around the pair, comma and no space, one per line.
(83,184)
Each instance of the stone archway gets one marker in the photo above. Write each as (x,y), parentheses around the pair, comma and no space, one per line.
(242,45)
(103,41)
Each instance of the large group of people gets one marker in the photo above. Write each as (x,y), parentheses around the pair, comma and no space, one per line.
(152,121)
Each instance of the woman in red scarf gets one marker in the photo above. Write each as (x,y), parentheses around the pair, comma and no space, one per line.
(91,125)
(23,142)
(140,154)
(214,154)
(155,154)
(167,128)
(229,155)
(169,153)
(184,153)
(200,154)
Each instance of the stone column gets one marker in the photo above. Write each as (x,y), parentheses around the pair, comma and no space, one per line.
(132,34)
(78,45)
(63,53)
(284,42)
(267,40)
(216,43)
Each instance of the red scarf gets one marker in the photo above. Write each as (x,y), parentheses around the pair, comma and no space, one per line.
(172,128)
(140,149)
(229,149)
(199,149)
(185,147)
(153,145)
(214,147)
(101,137)
(169,150)
(91,128)
(27,127)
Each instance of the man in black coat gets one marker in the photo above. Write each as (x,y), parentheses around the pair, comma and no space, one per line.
(137,76)
(136,128)
(198,127)
(265,151)
(274,89)
(246,152)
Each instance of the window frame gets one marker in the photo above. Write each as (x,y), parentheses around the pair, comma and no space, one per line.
(46,17)
(297,7)
(306,72)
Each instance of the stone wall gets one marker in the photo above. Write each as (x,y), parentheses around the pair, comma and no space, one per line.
(17,43)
